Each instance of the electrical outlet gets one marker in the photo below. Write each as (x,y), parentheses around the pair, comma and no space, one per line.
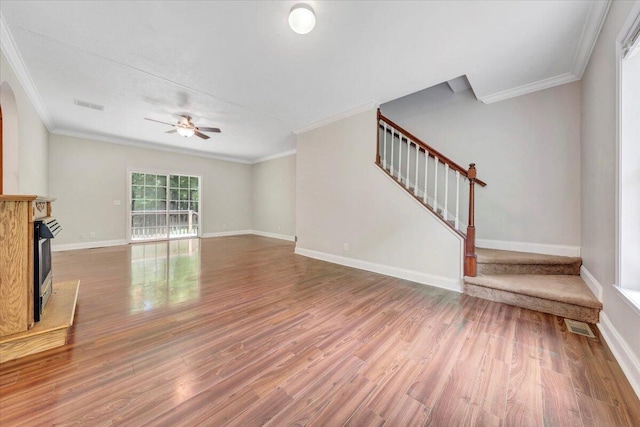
(116,203)
(81,236)
(92,235)
(345,247)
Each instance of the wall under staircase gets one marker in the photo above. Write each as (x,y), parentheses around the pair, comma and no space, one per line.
(343,197)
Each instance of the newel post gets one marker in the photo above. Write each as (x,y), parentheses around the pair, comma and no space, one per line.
(470,264)
(378,137)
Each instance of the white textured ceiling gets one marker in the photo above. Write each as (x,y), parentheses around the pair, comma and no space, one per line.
(238,66)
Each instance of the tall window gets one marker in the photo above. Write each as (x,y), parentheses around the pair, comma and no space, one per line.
(164,206)
(629,163)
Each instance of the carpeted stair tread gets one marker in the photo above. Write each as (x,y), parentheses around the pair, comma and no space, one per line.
(563,288)
(495,256)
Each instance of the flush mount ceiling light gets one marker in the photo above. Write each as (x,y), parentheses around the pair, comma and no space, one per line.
(185,131)
(302,19)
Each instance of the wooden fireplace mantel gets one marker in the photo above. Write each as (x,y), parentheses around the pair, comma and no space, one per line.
(17,214)
(18,335)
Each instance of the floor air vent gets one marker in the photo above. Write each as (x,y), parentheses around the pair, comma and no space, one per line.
(579,328)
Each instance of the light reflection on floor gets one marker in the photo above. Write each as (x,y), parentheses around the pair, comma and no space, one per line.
(164,273)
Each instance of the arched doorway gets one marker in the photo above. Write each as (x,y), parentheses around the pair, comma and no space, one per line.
(9,136)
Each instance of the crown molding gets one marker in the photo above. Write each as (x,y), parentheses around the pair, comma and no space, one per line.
(348,113)
(147,145)
(529,88)
(589,37)
(10,51)
(275,156)
(590,32)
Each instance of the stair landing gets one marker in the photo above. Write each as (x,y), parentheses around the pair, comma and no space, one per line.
(546,283)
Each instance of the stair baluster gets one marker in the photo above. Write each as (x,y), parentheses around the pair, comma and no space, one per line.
(435,186)
(426,172)
(400,158)
(446,192)
(457,220)
(384,151)
(391,164)
(415,190)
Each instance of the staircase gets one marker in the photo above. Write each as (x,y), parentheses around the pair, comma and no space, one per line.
(433,180)
(546,283)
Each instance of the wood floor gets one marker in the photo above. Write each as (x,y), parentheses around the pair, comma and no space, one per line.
(240,331)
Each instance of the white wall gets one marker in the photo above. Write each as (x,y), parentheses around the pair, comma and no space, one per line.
(342,197)
(273,196)
(598,206)
(27,151)
(87,176)
(527,150)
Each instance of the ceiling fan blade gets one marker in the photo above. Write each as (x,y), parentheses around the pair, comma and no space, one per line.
(201,135)
(217,130)
(172,131)
(164,123)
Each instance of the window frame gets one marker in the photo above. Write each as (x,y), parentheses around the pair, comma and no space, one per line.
(167,173)
(630,294)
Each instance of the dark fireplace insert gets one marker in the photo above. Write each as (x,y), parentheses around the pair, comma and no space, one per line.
(44,230)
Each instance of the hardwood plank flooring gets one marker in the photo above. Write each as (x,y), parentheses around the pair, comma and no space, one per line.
(240,331)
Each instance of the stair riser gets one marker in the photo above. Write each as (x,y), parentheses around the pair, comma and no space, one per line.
(570,311)
(554,269)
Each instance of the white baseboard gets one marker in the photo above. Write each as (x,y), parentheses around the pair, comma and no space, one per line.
(88,245)
(274,235)
(626,358)
(414,276)
(591,282)
(536,248)
(226,233)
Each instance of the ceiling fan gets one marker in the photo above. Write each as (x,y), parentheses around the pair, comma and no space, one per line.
(186,128)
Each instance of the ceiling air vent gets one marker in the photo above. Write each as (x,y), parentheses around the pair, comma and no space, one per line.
(88,105)
(579,328)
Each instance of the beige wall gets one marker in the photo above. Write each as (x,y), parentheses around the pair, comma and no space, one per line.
(527,149)
(87,176)
(273,196)
(25,168)
(598,156)
(342,197)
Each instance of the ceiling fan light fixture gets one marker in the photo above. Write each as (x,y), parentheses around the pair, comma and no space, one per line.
(302,19)
(184,131)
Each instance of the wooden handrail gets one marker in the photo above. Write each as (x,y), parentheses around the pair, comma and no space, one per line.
(424,147)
